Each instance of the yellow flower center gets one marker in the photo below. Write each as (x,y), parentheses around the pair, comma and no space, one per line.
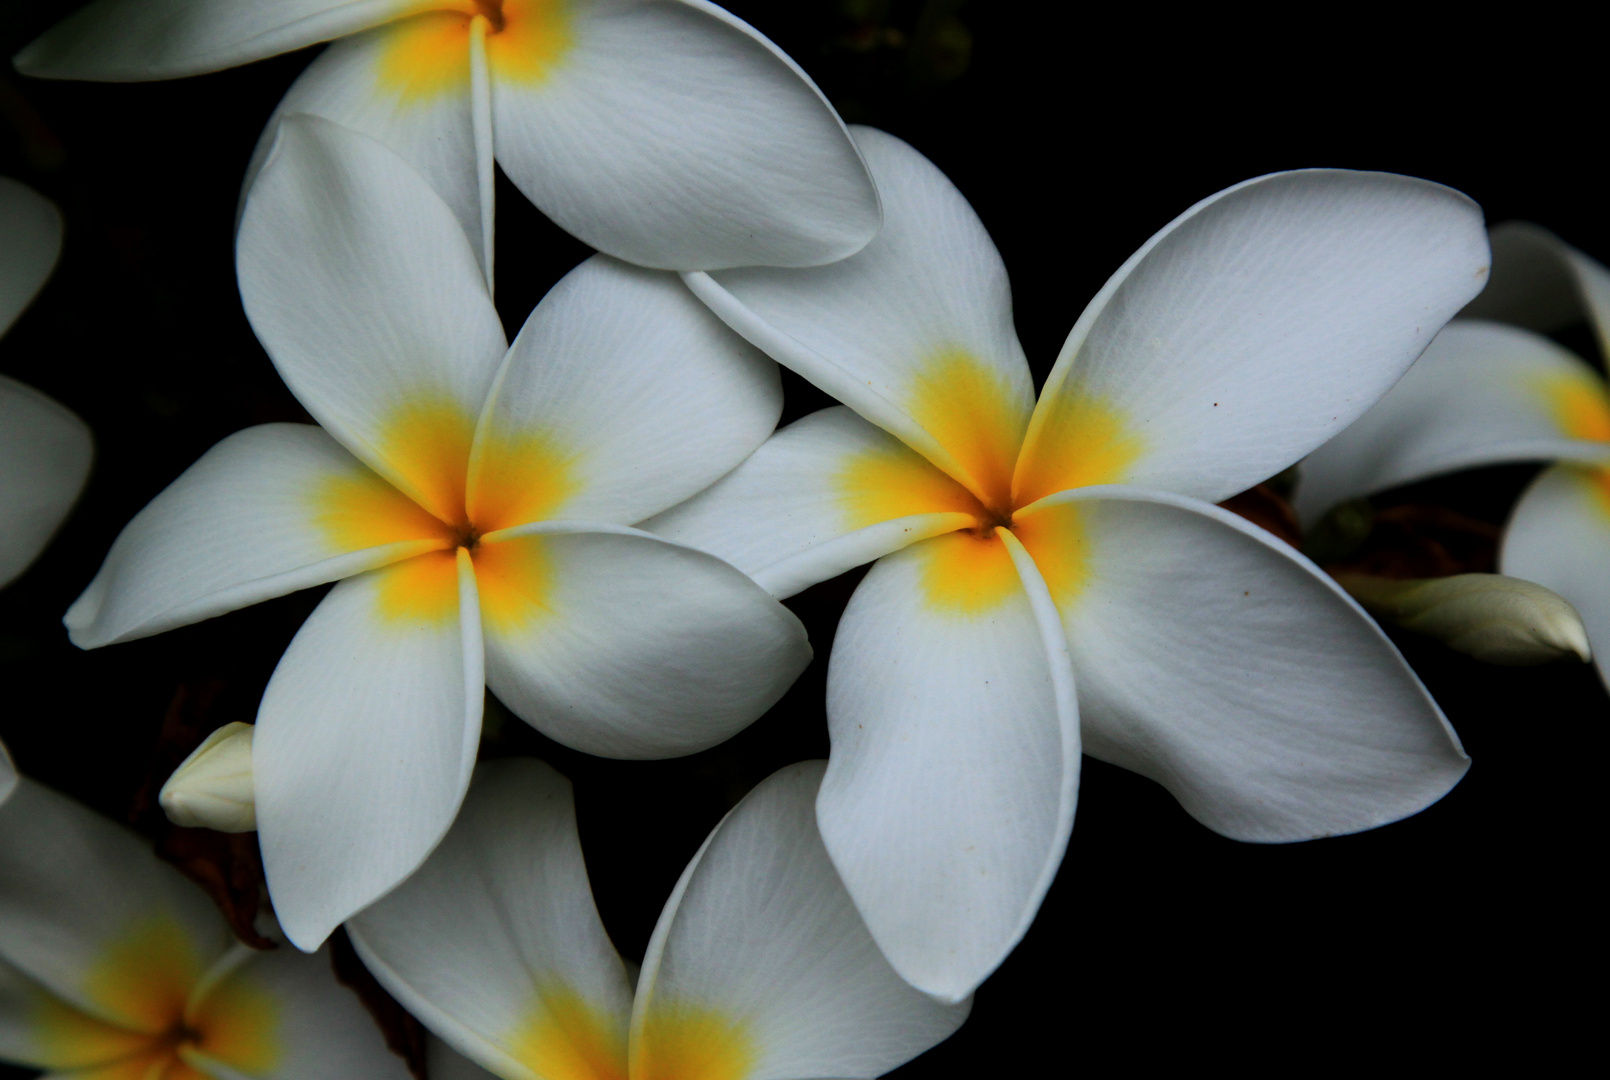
(972,412)
(141,986)
(444,499)
(428,55)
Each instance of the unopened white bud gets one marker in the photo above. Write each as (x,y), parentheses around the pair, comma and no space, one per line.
(1496,619)
(212,789)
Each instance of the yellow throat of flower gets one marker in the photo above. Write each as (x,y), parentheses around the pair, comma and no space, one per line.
(428,55)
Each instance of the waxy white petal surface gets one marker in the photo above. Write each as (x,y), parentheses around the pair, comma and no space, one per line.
(949,794)
(1559,536)
(496,939)
(365,741)
(1214,659)
(45,457)
(238,527)
(641,648)
(1259,323)
(760,929)
(135,40)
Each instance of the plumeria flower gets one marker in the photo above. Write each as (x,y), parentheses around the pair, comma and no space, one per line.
(45,451)
(473,500)
(1488,393)
(758,967)
(1054,575)
(114,967)
(664,132)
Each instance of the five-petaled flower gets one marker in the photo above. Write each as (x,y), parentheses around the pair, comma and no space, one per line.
(1054,574)
(759,965)
(45,451)
(1490,393)
(113,967)
(664,132)
(473,500)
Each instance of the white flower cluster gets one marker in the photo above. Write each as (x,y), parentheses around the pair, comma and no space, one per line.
(597,522)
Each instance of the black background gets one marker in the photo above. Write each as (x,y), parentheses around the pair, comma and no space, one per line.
(1467,931)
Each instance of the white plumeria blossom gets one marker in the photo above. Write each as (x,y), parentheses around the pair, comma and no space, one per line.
(1489,393)
(474,500)
(665,132)
(45,450)
(758,969)
(114,967)
(1054,574)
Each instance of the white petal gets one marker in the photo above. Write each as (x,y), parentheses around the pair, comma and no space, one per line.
(1559,536)
(366,737)
(30,243)
(1214,659)
(133,40)
(1482,394)
(8,774)
(950,790)
(84,905)
(761,963)
(356,83)
(670,134)
(281,1015)
(369,299)
(1251,329)
(624,395)
(1542,283)
(914,332)
(826,494)
(625,645)
(45,456)
(495,943)
(269,510)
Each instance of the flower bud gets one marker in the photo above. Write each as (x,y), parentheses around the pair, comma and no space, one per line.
(1494,618)
(213,788)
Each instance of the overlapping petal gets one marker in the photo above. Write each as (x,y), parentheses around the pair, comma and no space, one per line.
(761,962)
(31,230)
(134,40)
(45,457)
(622,644)
(1542,283)
(367,295)
(1559,536)
(949,796)
(825,494)
(365,83)
(621,396)
(366,738)
(1252,328)
(1482,394)
(914,332)
(496,944)
(671,134)
(267,511)
(1215,660)
(92,917)
(282,1016)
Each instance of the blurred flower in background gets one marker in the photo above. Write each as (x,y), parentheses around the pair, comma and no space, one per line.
(45,450)
(114,966)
